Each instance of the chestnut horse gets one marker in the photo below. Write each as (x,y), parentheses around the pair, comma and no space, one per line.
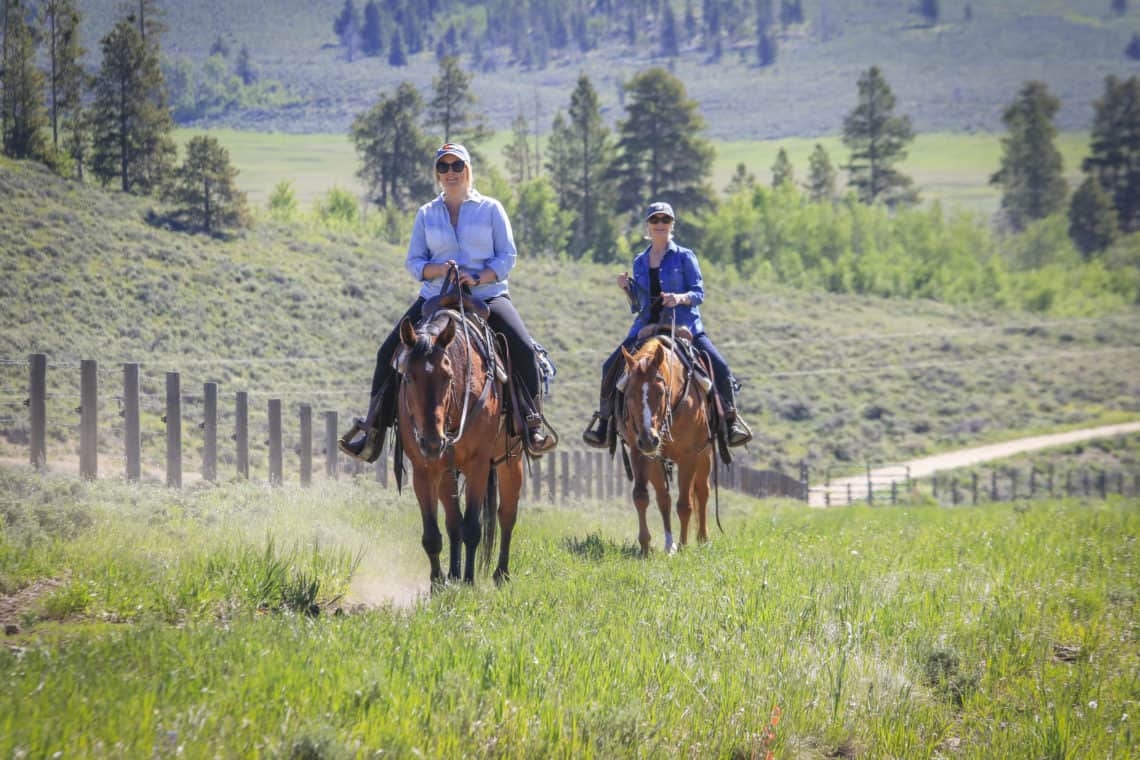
(451,418)
(665,418)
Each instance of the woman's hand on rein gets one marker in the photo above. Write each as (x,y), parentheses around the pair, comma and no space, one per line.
(669,300)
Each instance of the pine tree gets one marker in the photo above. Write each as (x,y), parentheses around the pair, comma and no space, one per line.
(392,149)
(396,56)
(782,172)
(132,124)
(516,153)
(245,68)
(1092,218)
(347,28)
(669,47)
(579,152)
(765,47)
(1114,152)
(877,139)
(1031,178)
(148,15)
(1120,7)
(929,10)
(1133,49)
(67,79)
(24,116)
(742,181)
(371,35)
(821,177)
(662,154)
(452,103)
(203,190)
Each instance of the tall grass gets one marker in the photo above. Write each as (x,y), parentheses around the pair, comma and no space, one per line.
(998,631)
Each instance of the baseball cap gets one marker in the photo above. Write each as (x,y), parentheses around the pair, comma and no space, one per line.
(660,207)
(453,149)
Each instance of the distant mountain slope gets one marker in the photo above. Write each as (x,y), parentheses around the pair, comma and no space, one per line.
(297,314)
(955,76)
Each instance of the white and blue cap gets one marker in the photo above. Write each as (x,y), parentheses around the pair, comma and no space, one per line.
(659,207)
(453,149)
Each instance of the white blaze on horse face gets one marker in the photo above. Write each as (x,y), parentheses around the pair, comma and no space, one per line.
(646,413)
(428,367)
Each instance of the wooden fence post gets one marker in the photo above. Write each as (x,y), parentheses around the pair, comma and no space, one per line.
(1101,485)
(210,432)
(276,476)
(577,476)
(565,476)
(849,493)
(534,473)
(870,487)
(1051,479)
(88,419)
(600,480)
(954,491)
(241,433)
(1012,485)
(173,421)
(132,431)
(551,477)
(37,409)
(993,486)
(330,445)
(974,488)
(894,492)
(306,452)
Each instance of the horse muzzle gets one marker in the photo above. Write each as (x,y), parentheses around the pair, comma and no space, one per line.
(648,442)
(431,446)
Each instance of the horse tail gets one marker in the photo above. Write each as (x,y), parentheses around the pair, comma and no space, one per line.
(490,518)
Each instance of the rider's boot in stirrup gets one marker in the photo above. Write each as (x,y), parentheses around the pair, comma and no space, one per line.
(738,431)
(598,436)
(537,441)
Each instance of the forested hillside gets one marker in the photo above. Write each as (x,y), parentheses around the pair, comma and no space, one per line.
(773,68)
(295,311)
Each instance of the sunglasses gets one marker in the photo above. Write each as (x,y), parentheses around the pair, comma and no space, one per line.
(660,219)
(443,167)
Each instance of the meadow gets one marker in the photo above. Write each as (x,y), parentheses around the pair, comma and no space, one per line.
(182,624)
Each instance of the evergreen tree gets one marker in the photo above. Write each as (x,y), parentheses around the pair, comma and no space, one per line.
(148,15)
(579,152)
(245,68)
(877,139)
(203,190)
(782,172)
(690,21)
(519,162)
(1119,7)
(1033,186)
(132,125)
(791,12)
(451,105)
(67,79)
(821,177)
(669,46)
(220,47)
(283,201)
(396,56)
(765,47)
(540,228)
(24,116)
(392,148)
(371,35)
(929,11)
(1092,218)
(1114,152)
(347,28)
(742,181)
(1133,49)
(662,154)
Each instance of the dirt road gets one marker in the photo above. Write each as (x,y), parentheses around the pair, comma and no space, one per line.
(926,466)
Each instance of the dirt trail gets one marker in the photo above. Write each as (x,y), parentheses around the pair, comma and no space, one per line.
(924,467)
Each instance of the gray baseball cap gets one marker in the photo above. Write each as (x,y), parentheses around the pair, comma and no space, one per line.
(659,207)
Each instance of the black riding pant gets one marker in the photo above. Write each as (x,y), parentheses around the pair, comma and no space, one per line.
(504,318)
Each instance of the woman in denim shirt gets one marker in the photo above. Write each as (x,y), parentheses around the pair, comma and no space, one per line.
(471,230)
(666,286)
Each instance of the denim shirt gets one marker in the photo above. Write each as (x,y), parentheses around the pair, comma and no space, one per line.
(483,238)
(680,274)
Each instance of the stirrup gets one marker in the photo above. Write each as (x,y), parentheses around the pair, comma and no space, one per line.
(596,438)
(738,432)
(361,442)
(533,426)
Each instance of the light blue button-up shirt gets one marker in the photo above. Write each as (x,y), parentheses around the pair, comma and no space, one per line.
(483,238)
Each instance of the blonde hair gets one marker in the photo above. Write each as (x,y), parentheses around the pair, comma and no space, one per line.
(466,170)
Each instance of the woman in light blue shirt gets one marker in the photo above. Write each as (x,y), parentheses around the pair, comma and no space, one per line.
(462,226)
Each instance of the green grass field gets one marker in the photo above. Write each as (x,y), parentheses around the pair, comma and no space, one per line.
(918,632)
(953,169)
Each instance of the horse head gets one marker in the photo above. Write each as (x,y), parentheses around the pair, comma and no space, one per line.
(428,379)
(649,394)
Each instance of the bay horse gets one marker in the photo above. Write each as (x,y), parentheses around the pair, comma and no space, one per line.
(665,419)
(451,404)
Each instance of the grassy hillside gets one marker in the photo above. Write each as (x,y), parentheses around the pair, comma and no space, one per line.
(956,76)
(155,623)
(297,313)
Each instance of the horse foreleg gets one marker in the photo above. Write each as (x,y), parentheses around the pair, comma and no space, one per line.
(685,500)
(432,539)
(701,495)
(641,498)
(664,501)
(447,486)
(510,485)
(475,487)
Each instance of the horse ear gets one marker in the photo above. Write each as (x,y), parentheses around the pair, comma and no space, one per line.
(628,356)
(446,334)
(659,355)
(407,332)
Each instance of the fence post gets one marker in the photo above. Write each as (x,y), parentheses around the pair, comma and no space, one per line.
(275,456)
(1012,485)
(974,488)
(1085,480)
(1032,481)
(954,491)
(599,478)
(533,472)
(1068,482)
(894,492)
(88,419)
(37,409)
(551,475)
(849,493)
(241,433)
(934,484)
(565,476)
(804,481)
(132,432)
(993,486)
(210,432)
(306,452)
(1050,479)
(330,445)
(173,421)
(1101,485)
